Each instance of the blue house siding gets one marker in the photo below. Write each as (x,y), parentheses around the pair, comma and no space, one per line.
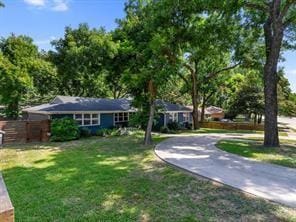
(167,118)
(60,116)
(180,118)
(106,121)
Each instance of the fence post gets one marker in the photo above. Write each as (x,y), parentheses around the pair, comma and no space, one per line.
(6,207)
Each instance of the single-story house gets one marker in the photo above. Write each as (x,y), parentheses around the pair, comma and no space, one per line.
(211,112)
(98,113)
(215,112)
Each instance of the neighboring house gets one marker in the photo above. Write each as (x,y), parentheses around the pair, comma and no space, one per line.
(215,113)
(169,112)
(211,112)
(97,113)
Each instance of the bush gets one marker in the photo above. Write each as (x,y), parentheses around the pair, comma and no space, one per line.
(115,132)
(173,126)
(103,132)
(85,132)
(164,129)
(64,129)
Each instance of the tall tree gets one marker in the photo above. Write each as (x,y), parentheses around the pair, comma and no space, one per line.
(206,53)
(151,62)
(14,83)
(24,65)
(80,58)
(278,20)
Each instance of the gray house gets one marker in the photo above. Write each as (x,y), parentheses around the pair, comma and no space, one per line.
(98,113)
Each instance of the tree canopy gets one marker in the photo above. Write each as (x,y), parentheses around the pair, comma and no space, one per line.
(196,52)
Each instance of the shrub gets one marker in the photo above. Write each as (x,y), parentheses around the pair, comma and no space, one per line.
(164,129)
(85,132)
(115,132)
(173,125)
(64,129)
(103,132)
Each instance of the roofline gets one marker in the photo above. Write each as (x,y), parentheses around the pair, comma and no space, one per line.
(77,112)
(96,111)
(178,111)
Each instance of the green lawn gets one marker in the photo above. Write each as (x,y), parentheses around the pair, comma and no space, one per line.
(118,179)
(252,148)
(209,130)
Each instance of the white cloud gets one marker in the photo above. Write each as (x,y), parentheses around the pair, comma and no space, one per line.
(54,5)
(35,2)
(60,5)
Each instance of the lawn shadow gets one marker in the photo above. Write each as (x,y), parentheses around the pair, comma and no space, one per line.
(119,179)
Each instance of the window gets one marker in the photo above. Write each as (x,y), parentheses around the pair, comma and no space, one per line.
(87,119)
(121,117)
(186,117)
(173,117)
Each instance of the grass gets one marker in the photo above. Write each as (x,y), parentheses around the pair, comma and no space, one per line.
(118,179)
(252,148)
(209,130)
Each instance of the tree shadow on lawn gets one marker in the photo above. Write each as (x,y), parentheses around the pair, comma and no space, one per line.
(118,179)
(284,155)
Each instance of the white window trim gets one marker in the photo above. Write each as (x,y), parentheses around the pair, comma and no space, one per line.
(175,116)
(90,119)
(187,118)
(115,122)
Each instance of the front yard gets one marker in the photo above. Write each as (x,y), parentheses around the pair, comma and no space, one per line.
(118,179)
(252,148)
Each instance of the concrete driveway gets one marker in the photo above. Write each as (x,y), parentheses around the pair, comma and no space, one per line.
(199,155)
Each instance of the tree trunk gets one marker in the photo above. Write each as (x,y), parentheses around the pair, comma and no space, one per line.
(148,137)
(203,107)
(152,94)
(273,31)
(260,119)
(194,97)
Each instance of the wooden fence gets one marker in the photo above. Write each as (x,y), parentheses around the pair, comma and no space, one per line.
(22,131)
(6,207)
(232,126)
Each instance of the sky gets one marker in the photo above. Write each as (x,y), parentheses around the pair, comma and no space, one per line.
(45,20)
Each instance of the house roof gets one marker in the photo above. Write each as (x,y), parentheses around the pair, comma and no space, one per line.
(214,109)
(63,104)
(171,107)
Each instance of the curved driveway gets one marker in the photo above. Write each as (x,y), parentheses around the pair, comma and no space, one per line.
(199,155)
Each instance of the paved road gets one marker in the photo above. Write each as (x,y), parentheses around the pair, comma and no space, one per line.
(199,155)
(290,122)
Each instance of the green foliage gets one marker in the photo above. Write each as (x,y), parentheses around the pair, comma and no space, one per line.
(14,82)
(164,129)
(173,126)
(139,120)
(108,132)
(84,132)
(64,129)
(249,98)
(23,72)
(81,58)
